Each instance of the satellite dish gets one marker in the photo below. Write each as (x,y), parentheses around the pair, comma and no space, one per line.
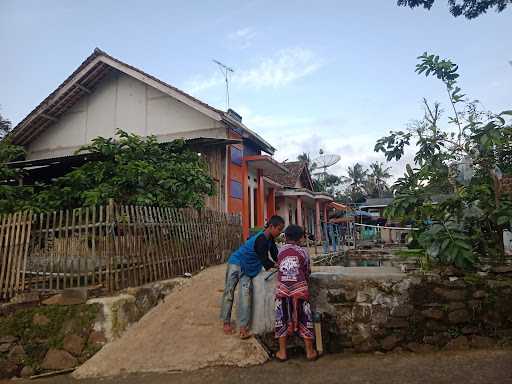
(325,161)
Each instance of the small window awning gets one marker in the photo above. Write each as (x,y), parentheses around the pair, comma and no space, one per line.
(266,163)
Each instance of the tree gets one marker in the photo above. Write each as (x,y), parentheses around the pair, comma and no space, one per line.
(128,169)
(133,170)
(378,179)
(13,196)
(469,8)
(322,182)
(357,179)
(462,161)
(304,156)
(5,127)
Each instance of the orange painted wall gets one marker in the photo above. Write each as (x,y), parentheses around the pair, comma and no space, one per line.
(234,173)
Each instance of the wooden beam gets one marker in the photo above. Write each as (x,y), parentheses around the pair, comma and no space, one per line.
(85,89)
(49,117)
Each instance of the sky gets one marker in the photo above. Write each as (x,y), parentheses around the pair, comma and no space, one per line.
(307,75)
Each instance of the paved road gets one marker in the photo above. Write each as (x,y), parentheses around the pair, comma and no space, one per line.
(469,367)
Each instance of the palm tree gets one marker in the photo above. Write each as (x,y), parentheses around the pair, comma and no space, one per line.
(306,158)
(357,177)
(379,176)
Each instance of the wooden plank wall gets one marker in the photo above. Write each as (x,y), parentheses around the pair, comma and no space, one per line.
(115,246)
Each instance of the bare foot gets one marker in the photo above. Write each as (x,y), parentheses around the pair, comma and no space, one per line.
(228,329)
(281,356)
(312,356)
(244,333)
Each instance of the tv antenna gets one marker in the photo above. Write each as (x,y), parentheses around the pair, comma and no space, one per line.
(226,72)
(325,161)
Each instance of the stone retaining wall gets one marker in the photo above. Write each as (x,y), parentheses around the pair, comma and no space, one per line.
(414,312)
(381,309)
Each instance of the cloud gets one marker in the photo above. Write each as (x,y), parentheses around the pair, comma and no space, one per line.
(293,135)
(243,37)
(286,66)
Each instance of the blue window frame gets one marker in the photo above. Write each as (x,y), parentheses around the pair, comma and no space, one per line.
(236,155)
(236,189)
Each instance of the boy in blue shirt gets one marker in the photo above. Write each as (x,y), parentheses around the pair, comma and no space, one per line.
(244,264)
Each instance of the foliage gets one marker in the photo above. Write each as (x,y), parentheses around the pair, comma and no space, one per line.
(128,169)
(322,182)
(376,185)
(5,126)
(62,318)
(133,170)
(450,194)
(12,195)
(469,8)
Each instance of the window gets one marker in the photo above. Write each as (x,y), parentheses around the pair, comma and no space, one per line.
(236,155)
(236,189)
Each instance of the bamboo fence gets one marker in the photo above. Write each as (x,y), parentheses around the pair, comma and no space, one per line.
(114,246)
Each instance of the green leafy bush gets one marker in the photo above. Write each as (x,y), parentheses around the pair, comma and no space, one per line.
(450,192)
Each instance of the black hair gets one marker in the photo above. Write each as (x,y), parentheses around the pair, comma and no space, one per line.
(275,221)
(294,232)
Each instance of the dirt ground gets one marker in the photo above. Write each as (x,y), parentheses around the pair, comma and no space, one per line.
(469,367)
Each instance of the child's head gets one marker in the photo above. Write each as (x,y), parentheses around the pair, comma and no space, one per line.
(294,233)
(275,226)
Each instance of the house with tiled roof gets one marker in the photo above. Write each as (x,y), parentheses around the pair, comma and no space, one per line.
(296,199)
(105,94)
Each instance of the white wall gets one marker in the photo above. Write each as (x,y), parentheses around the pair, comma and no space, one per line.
(123,102)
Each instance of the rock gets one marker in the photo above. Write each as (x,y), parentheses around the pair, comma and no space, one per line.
(420,348)
(402,310)
(40,320)
(502,269)
(26,372)
(8,369)
(145,299)
(432,313)
(57,359)
(482,342)
(8,339)
(398,350)
(459,343)
(97,339)
(72,326)
(25,298)
(480,294)
(362,313)
(368,345)
(455,306)
(459,316)
(436,326)
(468,330)
(474,305)
(74,344)
(17,354)
(451,271)
(397,323)
(437,339)
(341,295)
(70,296)
(5,347)
(380,314)
(389,342)
(451,294)
(367,295)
